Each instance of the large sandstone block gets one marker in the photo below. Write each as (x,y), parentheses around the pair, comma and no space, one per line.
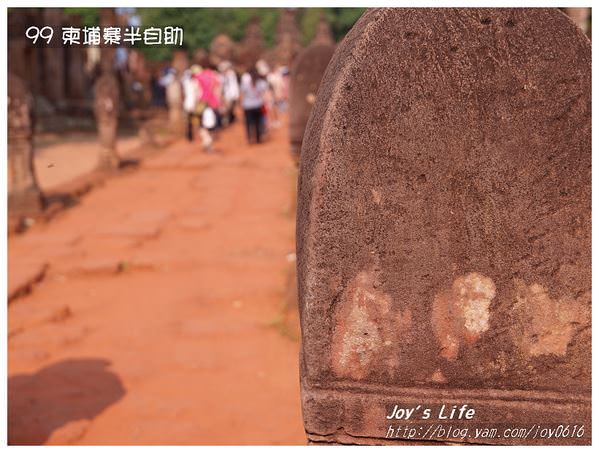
(444,229)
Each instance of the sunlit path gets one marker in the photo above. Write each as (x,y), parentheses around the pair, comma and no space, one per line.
(152,324)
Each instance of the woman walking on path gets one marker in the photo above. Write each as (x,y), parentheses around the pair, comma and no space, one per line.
(253,90)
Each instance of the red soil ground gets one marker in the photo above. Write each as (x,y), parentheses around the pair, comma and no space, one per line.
(153,323)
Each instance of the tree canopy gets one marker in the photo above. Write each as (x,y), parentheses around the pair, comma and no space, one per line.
(201,25)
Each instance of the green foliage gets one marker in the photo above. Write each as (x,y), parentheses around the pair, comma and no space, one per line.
(343,20)
(90,16)
(201,25)
(340,19)
(308,21)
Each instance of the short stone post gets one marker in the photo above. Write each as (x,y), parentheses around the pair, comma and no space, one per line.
(106,111)
(306,73)
(174,91)
(24,196)
(444,231)
(107,100)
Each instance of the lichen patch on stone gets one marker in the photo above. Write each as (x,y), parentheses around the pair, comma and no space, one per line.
(461,314)
(366,332)
(376,195)
(361,337)
(438,377)
(545,325)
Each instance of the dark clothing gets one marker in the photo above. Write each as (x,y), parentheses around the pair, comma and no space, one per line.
(191,124)
(254,124)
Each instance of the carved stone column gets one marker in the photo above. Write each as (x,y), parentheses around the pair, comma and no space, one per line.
(54,59)
(24,196)
(306,74)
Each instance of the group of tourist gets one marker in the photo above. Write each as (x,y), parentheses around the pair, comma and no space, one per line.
(212,96)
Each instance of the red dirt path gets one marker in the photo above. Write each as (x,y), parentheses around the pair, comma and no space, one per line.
(152,324)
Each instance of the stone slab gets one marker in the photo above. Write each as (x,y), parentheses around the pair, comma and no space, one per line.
(444,225)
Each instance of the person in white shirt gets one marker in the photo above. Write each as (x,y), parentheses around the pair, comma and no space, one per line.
(253,90)
(230,91)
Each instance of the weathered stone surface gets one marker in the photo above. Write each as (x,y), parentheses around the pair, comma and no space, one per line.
(444,227)
(306,73)
(24,196)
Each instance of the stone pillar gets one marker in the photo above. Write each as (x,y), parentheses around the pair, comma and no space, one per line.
(251,47)
(222,48)
(444,230)
(287,43)
(106,110)
(174,101)
(24,196)
(108,18)
(54,79)
(107,99)
(582,18)
(23,57)
(323,34)
(306,73)
(76,63)
(174,91)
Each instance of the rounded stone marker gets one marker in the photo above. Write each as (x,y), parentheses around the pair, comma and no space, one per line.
(444,227)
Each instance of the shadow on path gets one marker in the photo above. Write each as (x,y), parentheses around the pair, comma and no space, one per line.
(60,393)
